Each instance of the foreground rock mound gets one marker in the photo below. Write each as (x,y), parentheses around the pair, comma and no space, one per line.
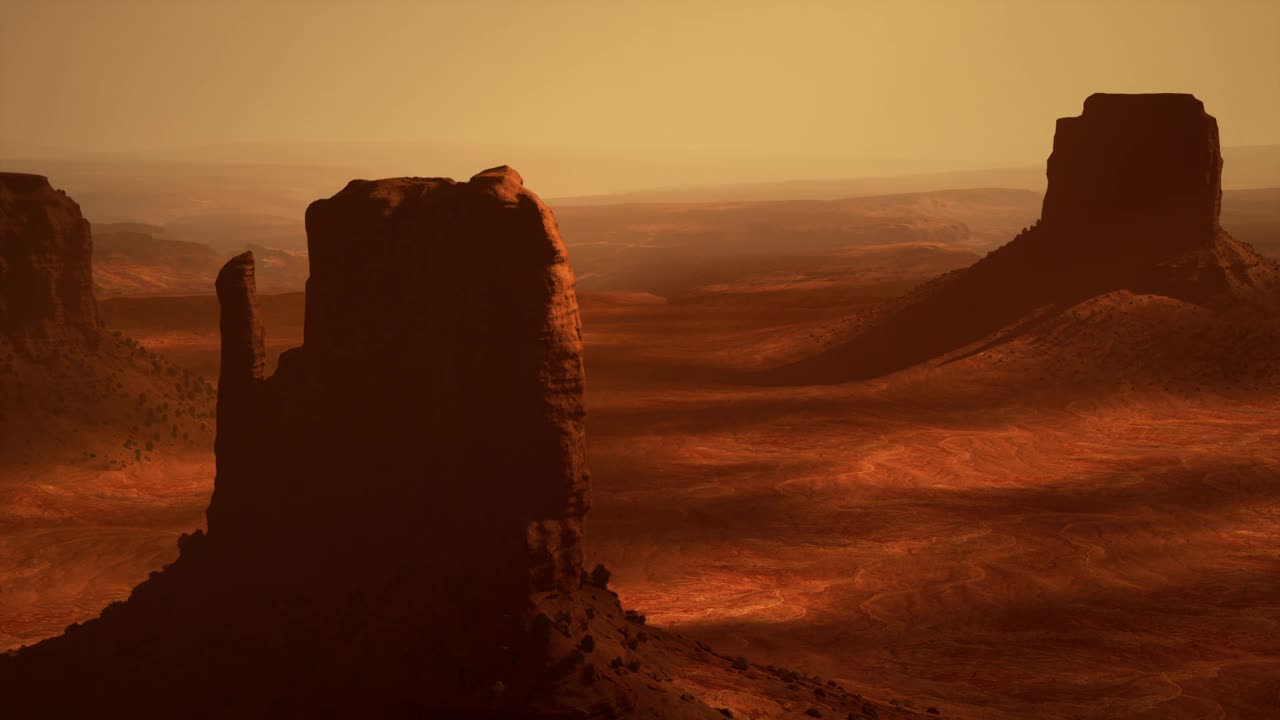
(1132,205)
(46,276)
(397,523)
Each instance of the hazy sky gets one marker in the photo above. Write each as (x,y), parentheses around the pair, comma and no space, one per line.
(959,83)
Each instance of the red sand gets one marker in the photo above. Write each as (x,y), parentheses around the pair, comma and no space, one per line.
(960,536)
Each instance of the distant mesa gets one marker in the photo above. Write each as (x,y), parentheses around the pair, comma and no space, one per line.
(1132,206)
(46,276)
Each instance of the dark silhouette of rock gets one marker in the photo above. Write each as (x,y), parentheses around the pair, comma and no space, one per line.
(46,278)
(1132,205)
(1149,162)
(243,337)
(396,528)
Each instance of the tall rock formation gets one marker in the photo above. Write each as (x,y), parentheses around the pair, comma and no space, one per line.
(396,528)
(1149,163)
(1132,205)
(46,279)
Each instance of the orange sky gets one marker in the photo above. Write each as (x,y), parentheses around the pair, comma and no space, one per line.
(941,85)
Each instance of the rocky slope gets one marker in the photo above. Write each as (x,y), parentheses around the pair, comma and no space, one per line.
(1133,205)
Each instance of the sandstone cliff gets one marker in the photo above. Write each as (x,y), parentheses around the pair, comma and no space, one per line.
(46,279)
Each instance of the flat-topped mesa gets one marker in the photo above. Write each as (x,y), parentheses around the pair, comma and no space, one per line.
(46,275)
(1147,161)
(434,413)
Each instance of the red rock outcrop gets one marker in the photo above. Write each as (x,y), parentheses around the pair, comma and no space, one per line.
(46,277)
(1150,162)
(397,522)
(1132,205)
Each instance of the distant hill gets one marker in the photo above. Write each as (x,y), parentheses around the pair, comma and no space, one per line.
(1244,167)
(1253,216)
(136,259)
(230,197)
(673,249)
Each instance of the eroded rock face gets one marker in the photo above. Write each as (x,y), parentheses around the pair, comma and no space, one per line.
(435,409)
(1150,161)
(46,276)
(447,312)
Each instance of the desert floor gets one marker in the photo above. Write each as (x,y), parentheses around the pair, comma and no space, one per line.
(989,546)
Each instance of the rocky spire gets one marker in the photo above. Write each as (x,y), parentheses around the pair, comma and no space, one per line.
(240,376)
(243,337)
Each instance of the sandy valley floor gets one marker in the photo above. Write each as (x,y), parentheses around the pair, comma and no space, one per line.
(995,551)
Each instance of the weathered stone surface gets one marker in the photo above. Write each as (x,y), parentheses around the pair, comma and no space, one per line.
(1149,161)
(445,311)
(439,390)
(243,337)
(46,276)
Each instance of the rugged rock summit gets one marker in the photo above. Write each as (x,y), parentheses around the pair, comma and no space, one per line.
(46,277)
(1148,162)
(1132,206)
(439,391)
